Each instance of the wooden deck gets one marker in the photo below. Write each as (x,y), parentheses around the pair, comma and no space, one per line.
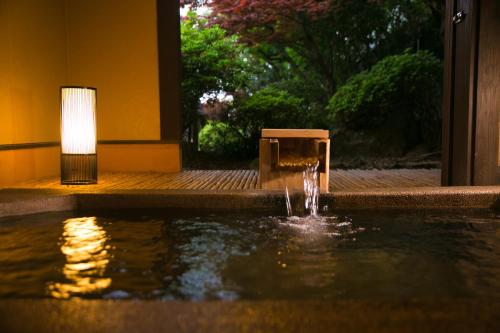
(340,180)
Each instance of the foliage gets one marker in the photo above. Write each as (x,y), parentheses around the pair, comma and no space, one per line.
(269,108)
(211,62)
(298,37)
(220,138)
(401,93)
(327,40)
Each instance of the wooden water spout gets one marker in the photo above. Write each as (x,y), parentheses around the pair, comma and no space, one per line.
(285,153)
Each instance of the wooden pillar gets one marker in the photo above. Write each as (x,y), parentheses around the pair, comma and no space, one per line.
(487,157)
(169,62)
(470,93)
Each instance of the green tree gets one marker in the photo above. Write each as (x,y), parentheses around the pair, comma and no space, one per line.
(212,62)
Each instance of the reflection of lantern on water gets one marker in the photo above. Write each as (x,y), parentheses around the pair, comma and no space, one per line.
(86,259)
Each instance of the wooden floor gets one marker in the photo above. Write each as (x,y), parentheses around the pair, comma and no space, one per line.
(340,180)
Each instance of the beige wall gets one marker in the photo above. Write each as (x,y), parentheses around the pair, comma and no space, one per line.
(22,165)
(32,68)
(138,158)
(112,46)
(107,44)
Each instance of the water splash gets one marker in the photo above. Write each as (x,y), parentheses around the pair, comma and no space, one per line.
(314,224)
(339,227)
(311,188)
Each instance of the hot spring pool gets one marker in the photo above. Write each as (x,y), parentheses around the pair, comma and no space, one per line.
(392,255)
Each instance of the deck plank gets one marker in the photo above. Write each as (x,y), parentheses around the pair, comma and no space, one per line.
(340,180)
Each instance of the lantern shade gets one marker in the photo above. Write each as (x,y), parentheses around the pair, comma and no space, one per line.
(78,136)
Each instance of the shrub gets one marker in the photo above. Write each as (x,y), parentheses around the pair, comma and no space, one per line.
(399,94)
(220,138)
(269,107)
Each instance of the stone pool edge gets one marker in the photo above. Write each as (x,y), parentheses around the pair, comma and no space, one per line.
(14,202)
(56,316)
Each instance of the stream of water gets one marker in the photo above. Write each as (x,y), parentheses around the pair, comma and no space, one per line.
(311,188)
(311,191)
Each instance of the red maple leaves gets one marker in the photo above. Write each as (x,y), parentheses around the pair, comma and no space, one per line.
(257,19)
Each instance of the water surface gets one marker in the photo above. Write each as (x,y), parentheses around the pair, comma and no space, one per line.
(228,255)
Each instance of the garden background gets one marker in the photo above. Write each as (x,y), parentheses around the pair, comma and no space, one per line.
(367,70)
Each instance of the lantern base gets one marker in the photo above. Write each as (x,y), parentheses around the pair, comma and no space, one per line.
(78,169)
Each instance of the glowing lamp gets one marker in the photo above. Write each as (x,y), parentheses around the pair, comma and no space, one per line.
(78,136)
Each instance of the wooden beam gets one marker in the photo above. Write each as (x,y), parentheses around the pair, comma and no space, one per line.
(295,133)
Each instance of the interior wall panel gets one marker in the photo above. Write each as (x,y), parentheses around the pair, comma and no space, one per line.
(112,46)
(32,68)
